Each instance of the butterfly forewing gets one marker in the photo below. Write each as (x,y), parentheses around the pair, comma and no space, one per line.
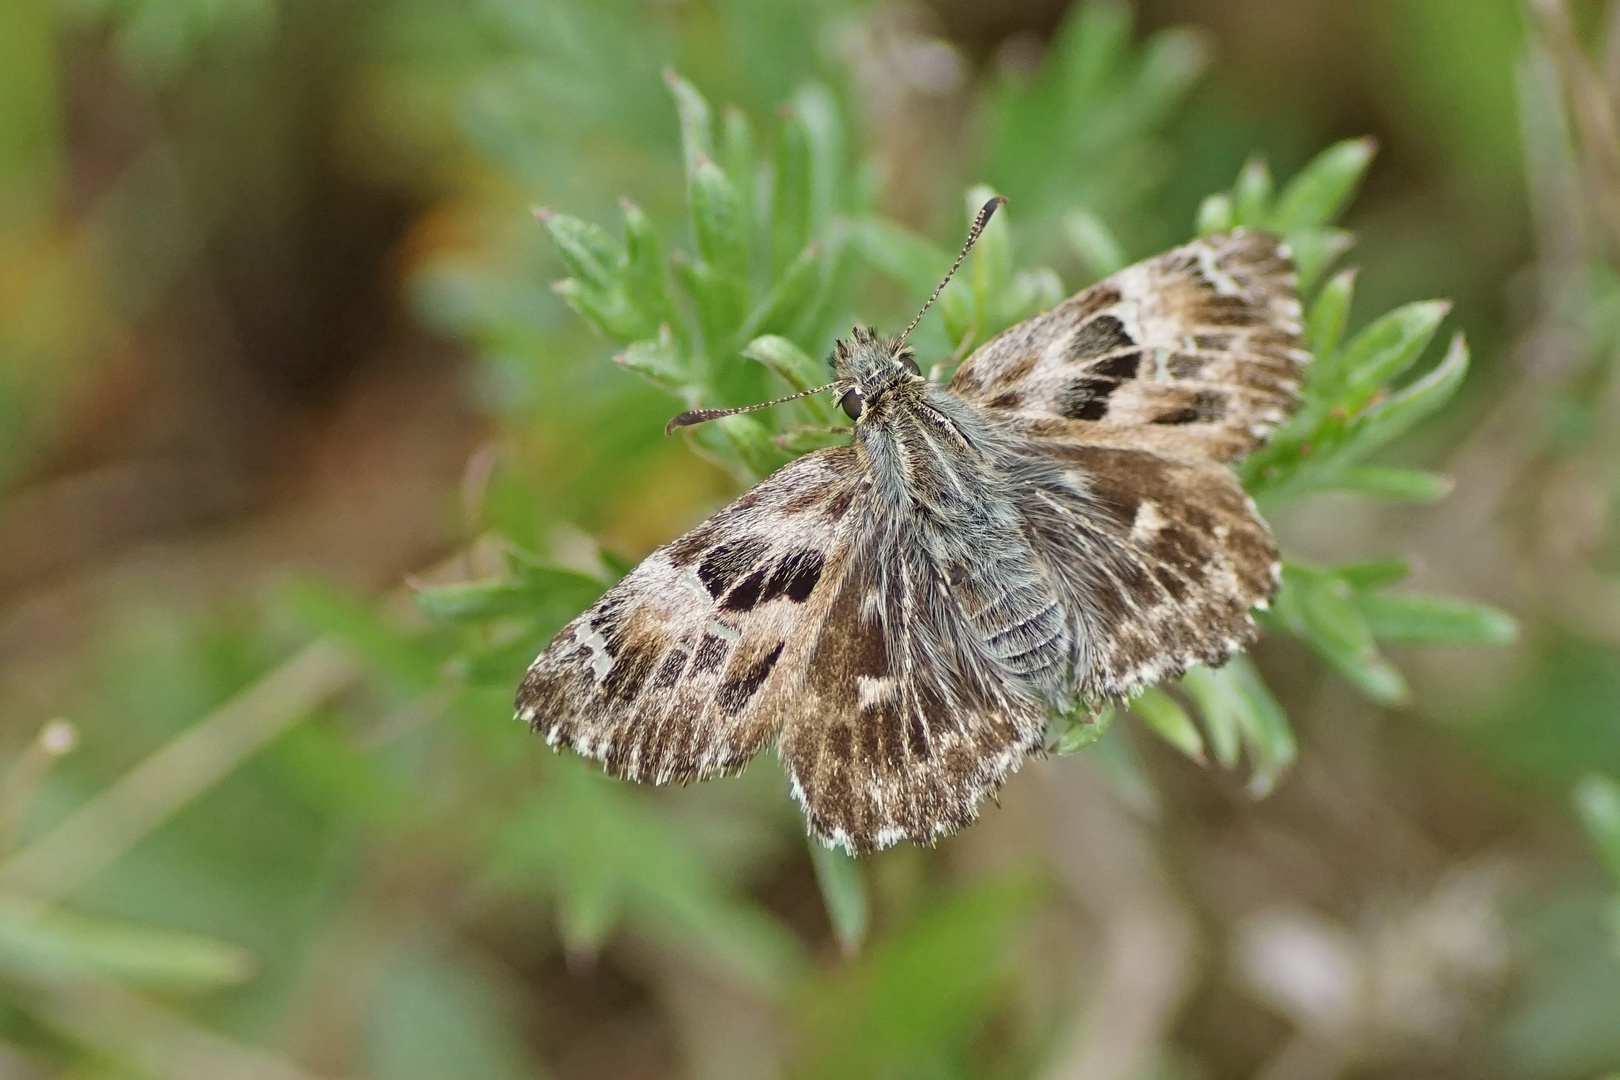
(1195,353)
(684,669)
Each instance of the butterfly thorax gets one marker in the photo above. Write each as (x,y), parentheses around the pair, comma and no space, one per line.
(944,498)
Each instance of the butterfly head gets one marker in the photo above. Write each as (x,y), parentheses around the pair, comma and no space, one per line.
(870,366)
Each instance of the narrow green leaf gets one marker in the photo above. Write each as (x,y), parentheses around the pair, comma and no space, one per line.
(1216,215)
(1394,415)
(586,250)
(786,360)
(697,122)
(1084,729)
(1316,196)
(1251,197)
(1324,326)
(56,944)
(720,224)
(1380,353)
(644,280)
(657,360)
(753,444)
(899,254)
(737,157)
(791,193)
(1315,251)
(1386,482)
(1094,243)
(1217,706)
(1597,804)
(1434,620)
(1372,574)
(1331,625)
(1161,713)
(843,891)
(1237,708)
(816,109)
(609,311)
(794,291)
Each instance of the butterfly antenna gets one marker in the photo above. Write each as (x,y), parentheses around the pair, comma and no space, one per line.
(979,223)
(703,416)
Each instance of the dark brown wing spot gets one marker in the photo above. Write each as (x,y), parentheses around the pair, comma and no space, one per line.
(795,577)
(1121,367)
(1206,406)
(1186,365)
(711,652)
(669,672)
(1009,399)
(1094,300)
(1086,399)
(1097,335)
(1217,342)
(734,693)
(722,567)
(632,664)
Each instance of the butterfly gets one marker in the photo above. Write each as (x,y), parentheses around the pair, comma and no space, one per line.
(1057,526)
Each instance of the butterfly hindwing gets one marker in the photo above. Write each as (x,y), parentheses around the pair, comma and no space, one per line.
(1157,560)
(1194,353)
(907,721)
(683,669)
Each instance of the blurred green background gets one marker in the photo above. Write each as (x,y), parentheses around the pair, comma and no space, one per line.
(303,455)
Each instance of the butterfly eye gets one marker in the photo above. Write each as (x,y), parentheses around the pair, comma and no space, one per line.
(851,403)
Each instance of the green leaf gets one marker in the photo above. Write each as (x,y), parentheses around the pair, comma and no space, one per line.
(609,311)
(1384,482)
(1380,353)
(754,445)
(1251,196)
(1372,574)
(1320,191)
(1161,713)
(899,254)
(719,301)
(1236,705)
(843,891)
(795,290)
(1315,250)
(697,122)
(720,225)
(1318,607)
(1597,804)
(1094,243)
(658,361)
(643,280)
(56,944)
(585,249)
(358,624)
(1324,327)
(737,157)
(816,111)
(1394,415)
(1434,620)
(1084,729)
(791,193)
(787,361)
(1216,215)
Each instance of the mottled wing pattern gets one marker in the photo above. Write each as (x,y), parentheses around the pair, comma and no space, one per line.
(1194,353)
(685,669)
(907,719)
(1158,561)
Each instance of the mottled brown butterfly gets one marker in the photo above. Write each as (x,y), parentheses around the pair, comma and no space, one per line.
(1055,527)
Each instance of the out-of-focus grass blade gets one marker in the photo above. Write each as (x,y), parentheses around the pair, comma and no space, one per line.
(1251,195)
(818,112)
(794,290)
(1388,482)
(1434,620)
(1597,803)
(1380,353)
(1216,215)
(1161,713)
(1324,326)
(900,254)
(56,944)
(1372,574)
(697,120)
(361,628)
(843,890)
(1320,191)
(1094,243)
